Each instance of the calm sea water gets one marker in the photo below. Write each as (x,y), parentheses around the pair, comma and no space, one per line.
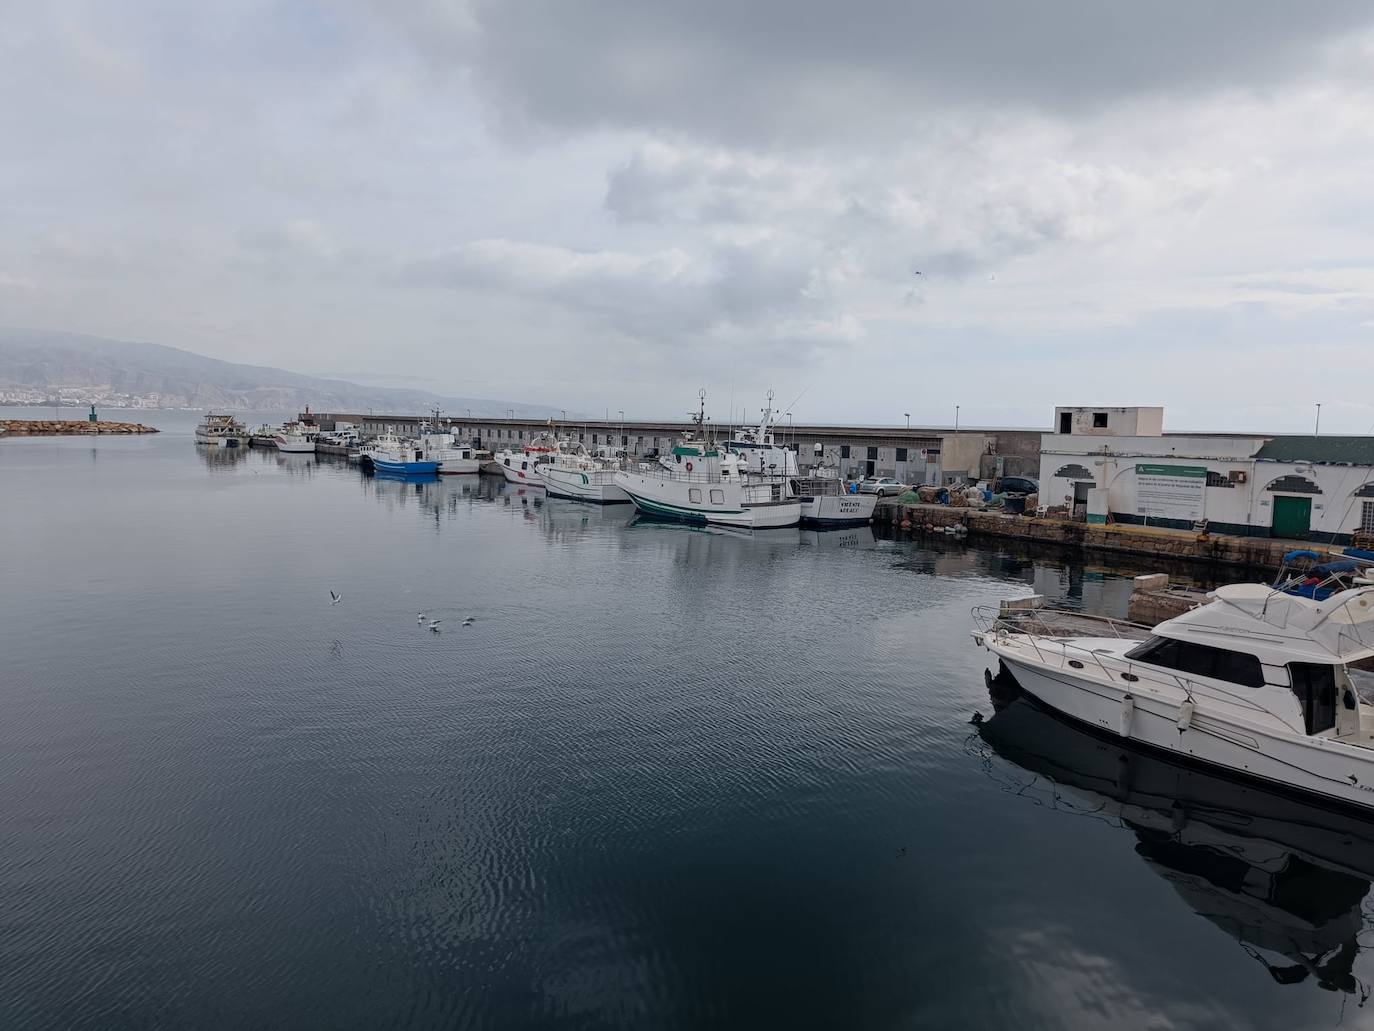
(668,778)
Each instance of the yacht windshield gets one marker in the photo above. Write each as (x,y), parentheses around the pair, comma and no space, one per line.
(1200,660)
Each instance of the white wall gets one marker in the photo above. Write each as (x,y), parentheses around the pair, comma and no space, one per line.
(1122,422)
(1111,462)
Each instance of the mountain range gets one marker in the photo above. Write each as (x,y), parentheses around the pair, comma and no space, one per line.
(39,365)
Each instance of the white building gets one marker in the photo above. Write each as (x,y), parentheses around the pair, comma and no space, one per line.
(1118,463)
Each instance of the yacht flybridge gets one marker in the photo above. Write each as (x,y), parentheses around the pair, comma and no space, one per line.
(1256,681)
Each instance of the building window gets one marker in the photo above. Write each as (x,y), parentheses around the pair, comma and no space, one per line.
(1066,422)
(1215,479)
(1200,660)
(1099,420)
(901,454)
(872,454)
(1367,516)
(844,450)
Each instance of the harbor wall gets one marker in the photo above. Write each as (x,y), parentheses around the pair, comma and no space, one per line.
(1251,552)
(68,427)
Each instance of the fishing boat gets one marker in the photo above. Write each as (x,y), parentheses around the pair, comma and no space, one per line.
(406,458)
(296,437)
(521,466)
(221,431)
(826,504)
(702,482)
(575,474)
(449,456)
(1256,681)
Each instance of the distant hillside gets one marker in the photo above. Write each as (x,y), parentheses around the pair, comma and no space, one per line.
(86,368)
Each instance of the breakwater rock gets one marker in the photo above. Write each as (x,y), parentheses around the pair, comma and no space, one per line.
(68,427)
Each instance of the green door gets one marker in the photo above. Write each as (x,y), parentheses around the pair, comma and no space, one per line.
(1292,517)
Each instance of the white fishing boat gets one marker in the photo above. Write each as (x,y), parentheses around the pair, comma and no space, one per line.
(825,503)
(1255,681)
(449,456)
(575,474)
(702,482)
(221,431)
(364,452)
(521,466)
(296,437)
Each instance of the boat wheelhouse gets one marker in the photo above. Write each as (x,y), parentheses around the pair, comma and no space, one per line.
(221,431)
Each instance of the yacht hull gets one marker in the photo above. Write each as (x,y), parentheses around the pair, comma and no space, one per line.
(296,447)
(1319,766)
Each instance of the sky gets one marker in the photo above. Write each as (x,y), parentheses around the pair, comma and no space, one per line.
(875,208)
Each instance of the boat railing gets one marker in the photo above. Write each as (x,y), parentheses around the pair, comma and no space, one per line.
(682,476)
(1059,631)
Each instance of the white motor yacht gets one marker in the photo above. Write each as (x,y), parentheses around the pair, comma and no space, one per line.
(1255,681)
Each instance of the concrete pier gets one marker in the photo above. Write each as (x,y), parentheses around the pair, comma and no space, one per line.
(1250,552)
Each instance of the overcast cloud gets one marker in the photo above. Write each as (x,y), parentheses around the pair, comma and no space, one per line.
(608,205)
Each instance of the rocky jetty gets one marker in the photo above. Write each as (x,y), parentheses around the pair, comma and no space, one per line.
(67,427)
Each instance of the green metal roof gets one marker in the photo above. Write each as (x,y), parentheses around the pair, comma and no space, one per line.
(1331,450)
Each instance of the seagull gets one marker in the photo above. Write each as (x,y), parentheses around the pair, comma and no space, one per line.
(468,621)
(434,624)
(334,599)
(917,272)
(419,617)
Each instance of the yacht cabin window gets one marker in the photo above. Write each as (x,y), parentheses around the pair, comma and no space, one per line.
(1200,660)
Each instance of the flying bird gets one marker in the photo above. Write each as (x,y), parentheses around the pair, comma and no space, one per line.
(434,624)
(917,272)
(334,599)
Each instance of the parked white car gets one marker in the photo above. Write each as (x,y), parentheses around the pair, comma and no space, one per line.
(882,486)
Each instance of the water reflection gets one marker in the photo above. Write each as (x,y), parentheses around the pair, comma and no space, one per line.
(1284,877)
(221,459)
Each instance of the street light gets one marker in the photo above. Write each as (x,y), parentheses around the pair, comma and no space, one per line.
(956,419)
(1318,429)
(565,414)
(908,419)
(622,427)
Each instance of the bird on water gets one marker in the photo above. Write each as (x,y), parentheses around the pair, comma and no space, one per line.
(334,599)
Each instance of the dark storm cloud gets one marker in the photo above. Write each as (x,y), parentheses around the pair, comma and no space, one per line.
(811,68)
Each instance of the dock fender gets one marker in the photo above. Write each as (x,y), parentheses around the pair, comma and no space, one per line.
(1127,713)
(1185,715)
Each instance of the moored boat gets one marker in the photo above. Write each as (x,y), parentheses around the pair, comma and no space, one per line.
(407,458)
(449,456)
(825,503)
(221,431)
(702,482)
(580,476)
(1255,681)
(296,437)
(521,466)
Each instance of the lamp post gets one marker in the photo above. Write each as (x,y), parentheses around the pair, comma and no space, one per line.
(956,420)
(622,427)
(908,419)
(1318,428)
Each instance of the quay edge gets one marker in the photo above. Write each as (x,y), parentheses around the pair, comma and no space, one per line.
(1154,542)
